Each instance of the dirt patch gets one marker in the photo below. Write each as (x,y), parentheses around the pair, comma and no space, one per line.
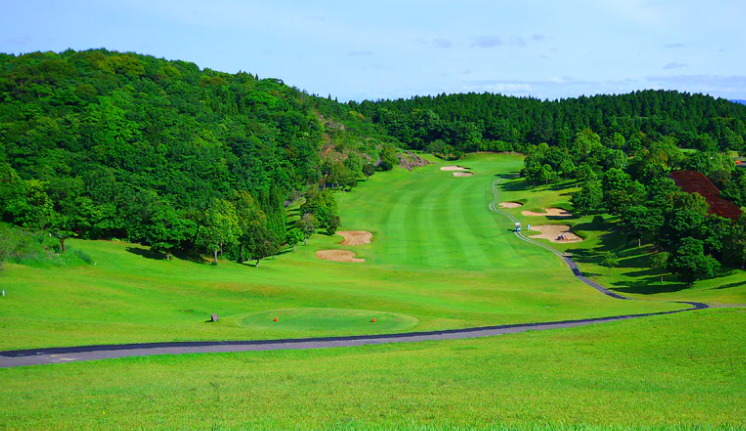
(338,256)
(409,160)
(551,212)
(453,169)
(355,237)
(510,205)
(553,231)
(463,174)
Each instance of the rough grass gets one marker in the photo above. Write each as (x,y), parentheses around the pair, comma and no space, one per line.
(676,372)
(439,256)
(633,277)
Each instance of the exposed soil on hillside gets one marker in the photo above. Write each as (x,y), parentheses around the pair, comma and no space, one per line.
(338,256)
(553,231)
(409,160)
(355,237)
(552,212)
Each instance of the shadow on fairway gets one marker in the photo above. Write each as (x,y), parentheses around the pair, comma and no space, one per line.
(648,286)
(157,255)
(148,254)
(729,285)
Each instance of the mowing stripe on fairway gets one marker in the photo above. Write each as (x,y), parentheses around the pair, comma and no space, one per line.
(88,353)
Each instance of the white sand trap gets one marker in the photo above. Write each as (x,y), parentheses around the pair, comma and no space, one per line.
(510,205)
(463,174)
(552,212)
(453,168)
(355,237)
(552,231)
(338,256)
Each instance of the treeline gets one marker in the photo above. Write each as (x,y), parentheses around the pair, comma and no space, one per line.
(101,144)
(451,125)
(636,187)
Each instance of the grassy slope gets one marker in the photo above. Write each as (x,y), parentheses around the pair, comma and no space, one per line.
(633,277)
(659,371)
(440,259)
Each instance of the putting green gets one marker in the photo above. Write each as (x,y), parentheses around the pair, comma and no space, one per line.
(326,319)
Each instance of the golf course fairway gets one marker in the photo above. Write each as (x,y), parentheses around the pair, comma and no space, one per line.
(439,258)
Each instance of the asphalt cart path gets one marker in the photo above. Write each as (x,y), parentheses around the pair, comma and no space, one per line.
(17,358)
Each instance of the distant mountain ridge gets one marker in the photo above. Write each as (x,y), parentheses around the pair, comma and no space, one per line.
(742,102)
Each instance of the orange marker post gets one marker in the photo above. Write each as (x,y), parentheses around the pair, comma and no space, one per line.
(275,319)
(373,320)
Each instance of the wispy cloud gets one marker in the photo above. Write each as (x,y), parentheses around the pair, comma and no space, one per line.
(488,42)
(675,45)
(675,65)
(538,37)
(710,81)
(517,41)
(734,86)
(442,43)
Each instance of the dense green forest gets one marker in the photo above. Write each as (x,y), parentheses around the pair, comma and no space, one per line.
(450,125)
(102,144)
(621,149)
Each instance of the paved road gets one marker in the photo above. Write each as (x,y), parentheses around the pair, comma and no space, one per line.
(17,358)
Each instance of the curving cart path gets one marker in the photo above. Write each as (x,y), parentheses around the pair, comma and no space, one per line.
(17,358)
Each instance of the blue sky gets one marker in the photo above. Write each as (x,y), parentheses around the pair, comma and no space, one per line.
(388,49)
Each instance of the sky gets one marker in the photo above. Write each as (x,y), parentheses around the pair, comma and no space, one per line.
(375,49)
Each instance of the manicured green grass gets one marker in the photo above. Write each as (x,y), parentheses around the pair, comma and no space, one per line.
(683,371)
(313,320)
(439,257)
(633,277)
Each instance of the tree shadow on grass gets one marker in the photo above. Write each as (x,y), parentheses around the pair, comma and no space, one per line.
(729,285)
(517,186)
(648,286)
(157,255)
(146,253)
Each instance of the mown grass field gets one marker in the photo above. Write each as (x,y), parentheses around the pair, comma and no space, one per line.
(676,372)
(439,259)
(633,277)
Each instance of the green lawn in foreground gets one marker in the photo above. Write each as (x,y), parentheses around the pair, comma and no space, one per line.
(666,372)
(440,259)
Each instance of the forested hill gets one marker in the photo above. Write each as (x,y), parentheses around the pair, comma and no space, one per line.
(458,123)
(118,145)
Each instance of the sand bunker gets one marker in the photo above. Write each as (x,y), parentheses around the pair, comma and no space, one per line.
(463,174)
(552,212)
(355,237)
(510,205)
(453,168)
(552,231)
(338,256)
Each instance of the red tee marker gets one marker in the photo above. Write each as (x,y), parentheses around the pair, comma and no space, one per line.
(275,319)
(373,320)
